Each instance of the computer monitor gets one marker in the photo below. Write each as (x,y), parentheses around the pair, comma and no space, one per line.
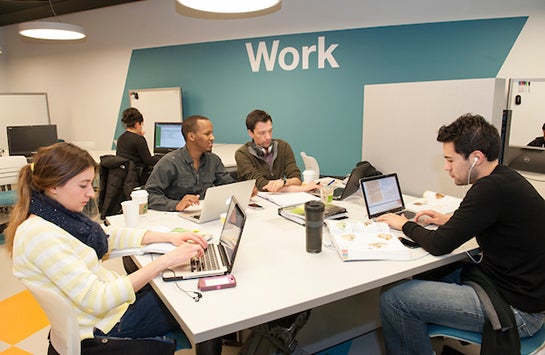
(526,158)
(167,136)
(26,140)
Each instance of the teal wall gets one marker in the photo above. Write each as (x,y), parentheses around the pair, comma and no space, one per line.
(319,110)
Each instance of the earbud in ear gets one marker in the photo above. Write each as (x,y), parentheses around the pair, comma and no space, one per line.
(475,159)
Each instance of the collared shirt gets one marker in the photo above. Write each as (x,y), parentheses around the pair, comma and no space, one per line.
(174,176)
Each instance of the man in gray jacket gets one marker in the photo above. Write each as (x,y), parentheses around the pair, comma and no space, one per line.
(182,176)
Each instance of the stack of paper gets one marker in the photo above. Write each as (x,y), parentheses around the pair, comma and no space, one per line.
(284,199)
(435,201)
(156,248)
(369,241)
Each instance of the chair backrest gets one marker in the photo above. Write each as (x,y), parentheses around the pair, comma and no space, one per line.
(117,179)
(9,169)
(528,345)
(65,334)
(311,164)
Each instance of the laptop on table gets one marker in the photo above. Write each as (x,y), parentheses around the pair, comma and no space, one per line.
(382,194)
(218,259)
(352,184)
(216,200)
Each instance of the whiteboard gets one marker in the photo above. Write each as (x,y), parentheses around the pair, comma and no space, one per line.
(157,105)
(22,109)
(401,121)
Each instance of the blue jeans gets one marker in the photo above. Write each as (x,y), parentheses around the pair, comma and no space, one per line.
(147,317)
(407,308)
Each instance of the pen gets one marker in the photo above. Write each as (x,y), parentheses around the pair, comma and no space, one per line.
(331,182)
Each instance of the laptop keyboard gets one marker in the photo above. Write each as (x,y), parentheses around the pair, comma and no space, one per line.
(206,262)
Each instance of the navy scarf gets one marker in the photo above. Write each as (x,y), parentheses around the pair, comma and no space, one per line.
(76,223)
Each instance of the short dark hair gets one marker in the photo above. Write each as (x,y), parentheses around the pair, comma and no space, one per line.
(543,127)
(131,116)
(256,116)
(470,133)
(190,124)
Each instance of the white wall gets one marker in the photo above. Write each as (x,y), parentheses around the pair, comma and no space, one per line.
(84,81)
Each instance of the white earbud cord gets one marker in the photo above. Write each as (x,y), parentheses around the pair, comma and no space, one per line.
(469,182)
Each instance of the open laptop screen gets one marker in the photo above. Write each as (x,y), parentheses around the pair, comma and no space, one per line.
(232,230)
(167,137)
(382,195)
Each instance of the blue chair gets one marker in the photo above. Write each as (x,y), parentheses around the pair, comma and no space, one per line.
(9,174)
(529,345)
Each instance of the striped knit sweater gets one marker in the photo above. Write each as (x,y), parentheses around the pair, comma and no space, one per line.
(45,255)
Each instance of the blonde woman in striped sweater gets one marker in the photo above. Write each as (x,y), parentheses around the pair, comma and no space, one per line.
(54,245)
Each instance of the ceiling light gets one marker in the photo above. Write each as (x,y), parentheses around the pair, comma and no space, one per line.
(51,30)
(229,6)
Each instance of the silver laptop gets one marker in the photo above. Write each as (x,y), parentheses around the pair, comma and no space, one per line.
(217,199)
(218,258)
(382,194)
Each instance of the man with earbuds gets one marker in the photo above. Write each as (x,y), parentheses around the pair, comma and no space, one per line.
(505,214)
(270,161)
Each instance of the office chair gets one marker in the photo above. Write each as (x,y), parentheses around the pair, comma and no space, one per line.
(311,164)
(64,337)
(9,174)
(118,177)
(528,345)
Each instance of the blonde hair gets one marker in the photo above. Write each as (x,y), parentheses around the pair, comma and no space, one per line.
(52,166)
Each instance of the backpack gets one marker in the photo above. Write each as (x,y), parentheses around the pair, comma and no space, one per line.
(276,337)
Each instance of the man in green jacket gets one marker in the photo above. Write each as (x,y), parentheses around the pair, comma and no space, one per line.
(270,161)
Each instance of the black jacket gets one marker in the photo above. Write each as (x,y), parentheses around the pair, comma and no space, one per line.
(118,177)
(500,333)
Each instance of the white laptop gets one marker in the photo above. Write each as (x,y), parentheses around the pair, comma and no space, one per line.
(218,258)
(217,199)
(382,194)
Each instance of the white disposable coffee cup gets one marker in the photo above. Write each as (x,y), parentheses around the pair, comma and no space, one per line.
(130,213)
(141,196)
(308,176)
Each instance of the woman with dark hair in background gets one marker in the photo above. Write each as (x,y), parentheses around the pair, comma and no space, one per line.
(132,144)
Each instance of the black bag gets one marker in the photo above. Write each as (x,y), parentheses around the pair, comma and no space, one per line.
(369,169)
(276,337)
(122,346)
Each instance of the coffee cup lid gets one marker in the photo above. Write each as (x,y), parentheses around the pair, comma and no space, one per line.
(139,193)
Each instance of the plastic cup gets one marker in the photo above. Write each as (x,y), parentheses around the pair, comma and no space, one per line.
(308,176)
(326,193)
(223,216)
(130,212)
(141,196)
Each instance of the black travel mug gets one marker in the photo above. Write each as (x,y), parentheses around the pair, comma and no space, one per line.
(314,222)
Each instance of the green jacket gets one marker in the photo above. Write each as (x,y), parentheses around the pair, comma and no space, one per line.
(251,166)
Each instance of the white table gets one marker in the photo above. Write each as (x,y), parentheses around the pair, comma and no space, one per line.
(275,275)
